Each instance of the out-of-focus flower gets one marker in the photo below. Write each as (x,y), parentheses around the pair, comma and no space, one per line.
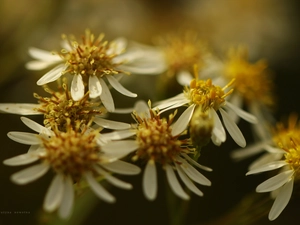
(76,155)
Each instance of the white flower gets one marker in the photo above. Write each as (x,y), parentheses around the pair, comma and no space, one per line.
(93,60)
(74,156)
(210,98)
(155,145)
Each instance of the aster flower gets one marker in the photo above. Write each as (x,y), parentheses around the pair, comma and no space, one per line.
(60,107)
(155,145)
(211,99)
(90,62)
(74,155)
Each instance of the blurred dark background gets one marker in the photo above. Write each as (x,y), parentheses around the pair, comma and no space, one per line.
(271,30)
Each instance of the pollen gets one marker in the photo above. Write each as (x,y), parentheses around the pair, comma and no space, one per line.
(252,80)
(90,56)
(60,107)
(72,152)
(155,139)
(206,95)
(182,51)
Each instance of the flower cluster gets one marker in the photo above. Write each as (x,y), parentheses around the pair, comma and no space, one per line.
(82,147)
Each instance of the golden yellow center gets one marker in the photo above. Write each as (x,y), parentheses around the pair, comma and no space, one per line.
(155,140)
(60,107)
(72,153)
(93,56)
(252,81)
(206,95)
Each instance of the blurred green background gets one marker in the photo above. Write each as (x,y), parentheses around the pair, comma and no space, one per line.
(268,27)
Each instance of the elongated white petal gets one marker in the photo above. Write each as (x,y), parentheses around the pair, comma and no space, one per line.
(24,138)
(195,163)
(106,97)
(248,151)
(21,159)
(20,108)
(233,129)
(184,78)
(77,87)
(274,150)
(281,200)
(176,105)
(117,46)
(187,181)
(114,125)
(113,180)
(218,130)
(94,87)
(118,87)
(181,124)
(170,101)
(174,184)
(275,182)
(54,194)
(52,75)
(194,174)
(119,149)
(43,55)
(35,148)
(122,167)
(66,204)
(268,167)
(142,109)
(38,65)
(143,69)
(264,159)
(117,135)
(36,127)
(30,174)
(150,181)
(241,113)
(98,189)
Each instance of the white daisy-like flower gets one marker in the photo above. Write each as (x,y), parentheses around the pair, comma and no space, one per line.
(91,62)
(211,99)
(60,107)
(156,145)
(75,155)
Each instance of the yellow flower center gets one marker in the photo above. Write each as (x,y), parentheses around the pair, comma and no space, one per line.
(72,152)
(206,95)
(182,52)
(252,81)
(93,56)
(60,107)
(155,139)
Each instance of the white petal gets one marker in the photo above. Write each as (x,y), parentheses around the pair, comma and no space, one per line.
(38,65)
(21,159)
(275,182)
(150,181)
(43,55)
(36,127)
(24,138)
(66,204)
(218,130)
(98,189)
(181,124)
(94,87)
(113,180)
(77,87)
(122,167)
(176,105)
(119,149)
(114,125)
(106,97)
(268,167)
(233,129)
(117,46)
(170,101)
(195,163)
(118,87)
(30,174)
(142,109)
(117,135)
(174,184)
(52,75)
(264,159)
(241,113)
(143,69)
(184,78)
(248,151)
(20,108)
(281,200)
(187,181)
(54,194)
(274,150)
(194,174)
